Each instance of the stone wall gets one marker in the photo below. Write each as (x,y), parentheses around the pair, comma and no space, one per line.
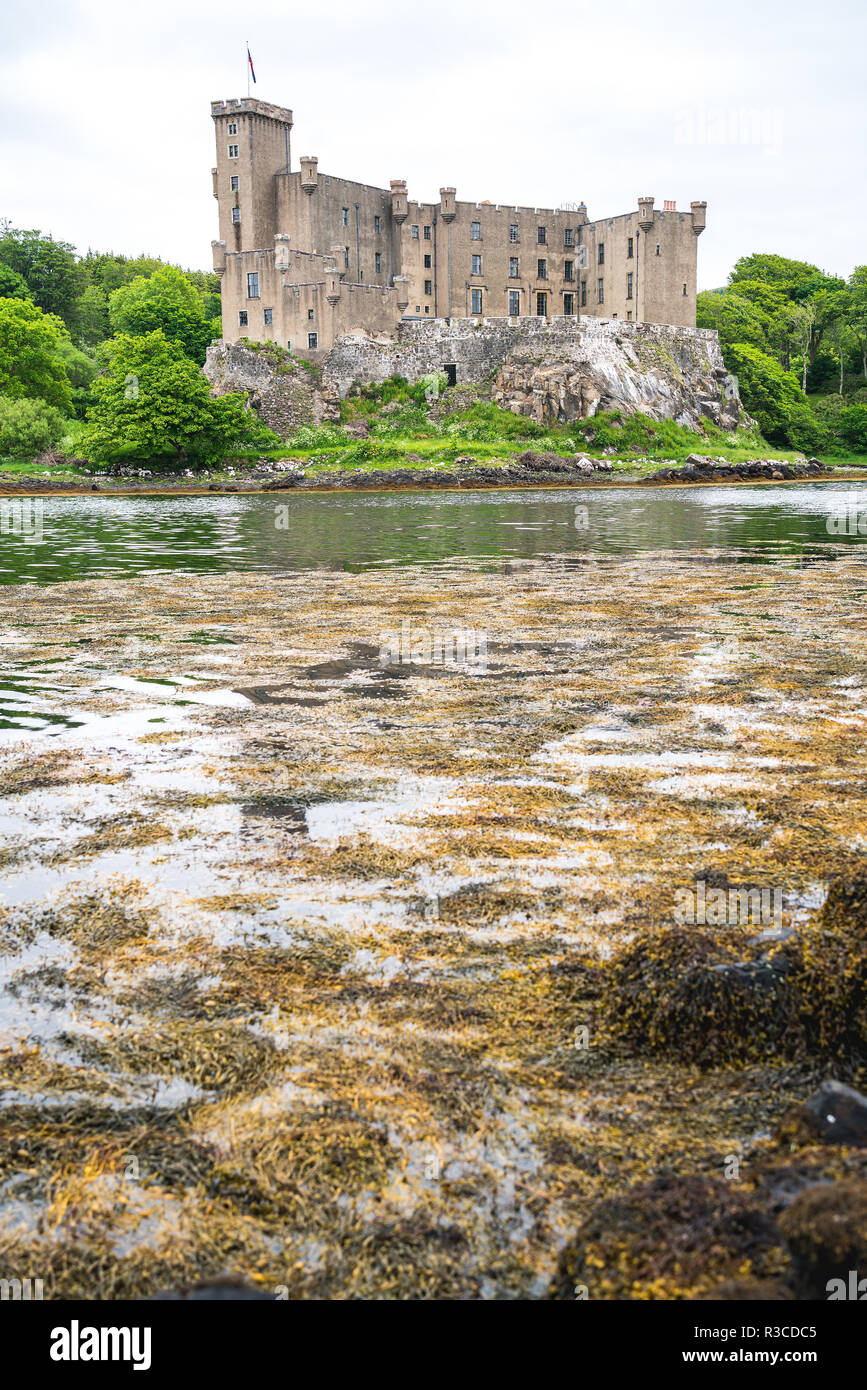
(284,393)
(556,371)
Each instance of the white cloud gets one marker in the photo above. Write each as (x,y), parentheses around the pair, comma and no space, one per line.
(108,140)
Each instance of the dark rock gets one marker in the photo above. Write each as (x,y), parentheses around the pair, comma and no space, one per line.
(838,1114)
(825,1229)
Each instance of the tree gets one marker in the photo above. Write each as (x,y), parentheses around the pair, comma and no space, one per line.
(153,403)
(29,366)
(858,314)
(12,285)
(91,316)
(28,426)
(49,268)
(166,301)
(773,397)
(734,317)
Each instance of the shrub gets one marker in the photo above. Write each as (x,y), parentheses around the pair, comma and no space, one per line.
(27,427)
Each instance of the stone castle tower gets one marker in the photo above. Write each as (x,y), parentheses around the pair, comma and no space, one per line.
(306,257)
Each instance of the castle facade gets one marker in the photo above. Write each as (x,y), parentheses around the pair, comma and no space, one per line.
(307,257)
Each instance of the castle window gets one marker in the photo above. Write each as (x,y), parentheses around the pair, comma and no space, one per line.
(253,285)
(377,226)
(310,313)
(427,308)
(233,151)
(684,289)
(378,263)
(568,237)
(541,304)
(233,127)
(583,293)
(568,304)
(542,270)
(344,213)
(629,248)
(513,267)
(514,303)
(629,287)
(629,315)
(346,258)
(234,183)
(513,232)
(477,265)
(601,256)
(601,292)
(428,287)
(476,301)
(542,235)
(236,215)
(427,262)
(313,340)
(427,233)
(242,318)
(476,231)
(288,344)
(269,315)
(414,232)
(657,248)
(568,270)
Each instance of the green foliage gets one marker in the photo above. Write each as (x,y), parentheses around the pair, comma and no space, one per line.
(318,437)
(12,285)
(49,267)
(152,403)
(29,366)
(27,427)
(81,370)
(488,423)
(167,302)
(774,398)
(851,426)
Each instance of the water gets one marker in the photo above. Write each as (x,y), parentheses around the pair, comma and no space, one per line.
(65,538)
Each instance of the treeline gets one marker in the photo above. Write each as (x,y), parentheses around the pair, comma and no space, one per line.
(796,339)
(115,342)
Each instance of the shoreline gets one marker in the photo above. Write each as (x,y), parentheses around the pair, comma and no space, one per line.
(219,489)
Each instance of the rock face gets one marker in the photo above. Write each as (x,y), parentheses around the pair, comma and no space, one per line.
(284,392)
(559,371)
(551,372)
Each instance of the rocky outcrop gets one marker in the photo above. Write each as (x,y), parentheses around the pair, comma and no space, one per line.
(559,370)
(285,392)
(699,469)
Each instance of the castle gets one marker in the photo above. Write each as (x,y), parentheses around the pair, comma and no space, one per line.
(306,257)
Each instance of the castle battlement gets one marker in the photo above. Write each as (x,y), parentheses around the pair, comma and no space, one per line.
(425,261)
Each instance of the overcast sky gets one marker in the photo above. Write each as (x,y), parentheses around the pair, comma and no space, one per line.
(756,106)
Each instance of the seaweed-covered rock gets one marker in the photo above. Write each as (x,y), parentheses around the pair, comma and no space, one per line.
(676,1237)
(825,1229)
(692,994)
(831,975)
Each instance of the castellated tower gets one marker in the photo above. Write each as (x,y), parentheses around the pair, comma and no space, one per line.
(307,256)
(252,147)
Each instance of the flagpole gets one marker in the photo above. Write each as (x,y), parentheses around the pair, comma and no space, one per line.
(248,67)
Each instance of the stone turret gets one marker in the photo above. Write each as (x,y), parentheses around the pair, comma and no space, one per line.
(338,254)
(645,213)
(699,217)
(399,206)
(281,251)
(448,210)
(401,285)
(218,251)
(309,173)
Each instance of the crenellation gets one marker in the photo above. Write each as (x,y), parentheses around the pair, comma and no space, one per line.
(426,260)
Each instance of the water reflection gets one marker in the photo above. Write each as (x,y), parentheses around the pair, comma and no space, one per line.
(83,537)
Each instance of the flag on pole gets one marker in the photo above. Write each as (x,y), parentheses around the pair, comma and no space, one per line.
(250,61)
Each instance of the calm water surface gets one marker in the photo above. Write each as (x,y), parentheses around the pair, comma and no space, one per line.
(58,538)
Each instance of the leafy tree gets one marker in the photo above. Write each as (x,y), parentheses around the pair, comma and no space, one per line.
(49,268)
(858,315)
(166,301)
(29,365)
(91,316)
(28,426)
(734,317)
(153,403)
(12,285)
(772,396)
(80,370)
